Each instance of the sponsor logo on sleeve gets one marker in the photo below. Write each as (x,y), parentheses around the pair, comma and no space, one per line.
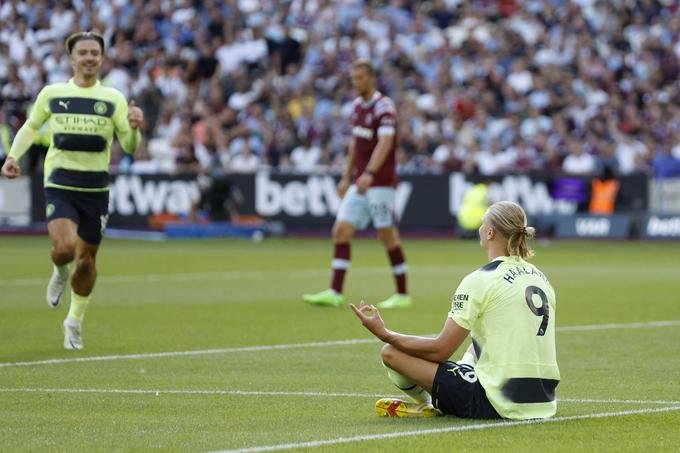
(459,301)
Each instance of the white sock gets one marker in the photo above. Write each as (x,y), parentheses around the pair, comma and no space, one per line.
(406,385)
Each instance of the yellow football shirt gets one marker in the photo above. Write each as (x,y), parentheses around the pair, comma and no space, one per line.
(82,122)
(509,307)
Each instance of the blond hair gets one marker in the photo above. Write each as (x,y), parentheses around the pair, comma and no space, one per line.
(510,221)
(364,64)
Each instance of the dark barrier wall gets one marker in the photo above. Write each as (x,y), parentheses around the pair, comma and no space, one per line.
(308,201)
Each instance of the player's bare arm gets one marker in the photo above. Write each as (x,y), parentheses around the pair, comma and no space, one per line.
(346,178)
(10,169)
(380,153)
(437,349)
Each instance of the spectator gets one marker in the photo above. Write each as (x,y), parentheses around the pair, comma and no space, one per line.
(578,162)
(484,71)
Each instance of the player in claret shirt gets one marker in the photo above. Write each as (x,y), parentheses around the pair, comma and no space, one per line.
(83,116)
(367,188)
(508,308)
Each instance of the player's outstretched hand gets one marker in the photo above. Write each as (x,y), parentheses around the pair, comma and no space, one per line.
(10,169)
(371,319)
(135,115)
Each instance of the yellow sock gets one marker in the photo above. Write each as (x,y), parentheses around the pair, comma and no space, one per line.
(406,385)
(78,306)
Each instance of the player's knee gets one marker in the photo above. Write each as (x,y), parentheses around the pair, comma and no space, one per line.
(389,238)
(341,233)
(85,263)
(64,250)
(388,354)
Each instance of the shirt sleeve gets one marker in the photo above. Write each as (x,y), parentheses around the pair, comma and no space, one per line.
(129,138)
(386,117)
(30,131)
(467,303)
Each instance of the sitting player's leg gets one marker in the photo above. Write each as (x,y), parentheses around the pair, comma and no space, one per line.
(352,215)
(414,377)
(418,371)
(470,356)
(61,227)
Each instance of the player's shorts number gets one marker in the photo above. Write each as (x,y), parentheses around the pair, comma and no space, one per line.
(543,310)
(468,373)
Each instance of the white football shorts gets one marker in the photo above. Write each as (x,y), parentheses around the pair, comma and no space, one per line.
(376,204)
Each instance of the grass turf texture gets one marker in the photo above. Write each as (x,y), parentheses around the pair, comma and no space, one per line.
(195,295)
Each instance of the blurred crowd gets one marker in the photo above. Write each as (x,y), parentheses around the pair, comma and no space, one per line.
(486,86)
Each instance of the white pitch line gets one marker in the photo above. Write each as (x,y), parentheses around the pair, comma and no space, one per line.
(478,426)
(158,392)
(151,355)
(630,325)
(231,275)
(615,401)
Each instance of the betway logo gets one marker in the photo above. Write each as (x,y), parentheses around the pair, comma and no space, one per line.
(316,196)
(593,227)
(669,227)
(362,132)
(533,196)
(131,195)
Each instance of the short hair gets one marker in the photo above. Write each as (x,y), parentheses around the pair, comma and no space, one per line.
(510,221)
(71,41)
(364,64)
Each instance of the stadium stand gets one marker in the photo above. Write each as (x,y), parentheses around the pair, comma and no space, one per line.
(490,87)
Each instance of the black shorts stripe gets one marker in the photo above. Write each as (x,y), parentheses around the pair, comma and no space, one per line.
(78,142)
(530,390)
(82,179)
(82,106)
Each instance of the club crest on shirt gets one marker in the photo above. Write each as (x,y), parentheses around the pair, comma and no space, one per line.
(100,108)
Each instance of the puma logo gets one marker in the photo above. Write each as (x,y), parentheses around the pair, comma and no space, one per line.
(64,104)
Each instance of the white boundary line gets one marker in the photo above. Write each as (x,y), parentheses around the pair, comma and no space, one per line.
(478,426)
(150,278)
(615,401)
(150,355)
(631,325)
(158,392)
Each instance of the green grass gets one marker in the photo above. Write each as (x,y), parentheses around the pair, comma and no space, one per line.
(196,295)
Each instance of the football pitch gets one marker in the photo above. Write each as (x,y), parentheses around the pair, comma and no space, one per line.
(206,346)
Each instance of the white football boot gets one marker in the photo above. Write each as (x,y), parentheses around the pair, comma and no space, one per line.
(73,335)
(55,288)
